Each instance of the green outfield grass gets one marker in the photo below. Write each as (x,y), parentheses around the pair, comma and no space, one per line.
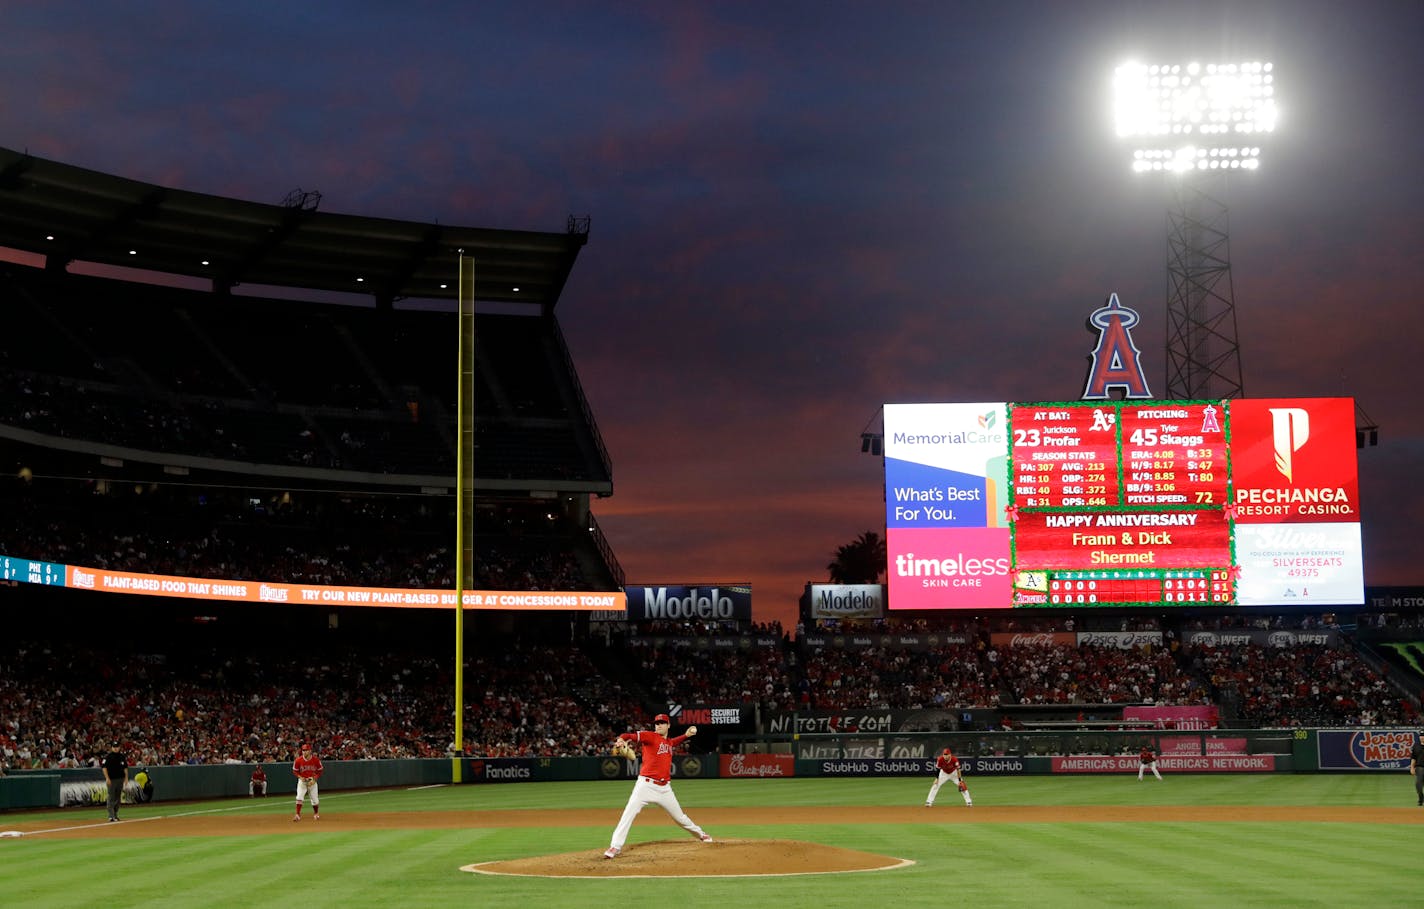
(1243,862)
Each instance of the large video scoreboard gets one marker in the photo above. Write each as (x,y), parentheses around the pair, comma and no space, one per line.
(1115,503)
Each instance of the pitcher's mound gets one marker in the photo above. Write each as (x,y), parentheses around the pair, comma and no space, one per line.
(681,858)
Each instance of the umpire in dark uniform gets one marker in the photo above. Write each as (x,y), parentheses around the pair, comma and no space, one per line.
(1416,767)
(116,774)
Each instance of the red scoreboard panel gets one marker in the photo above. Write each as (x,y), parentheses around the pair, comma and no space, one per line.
(1064,456)
(1173,454)
(1177,588)
(1122,502)
(1124,539)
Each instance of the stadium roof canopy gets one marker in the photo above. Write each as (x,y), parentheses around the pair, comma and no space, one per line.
(68,214)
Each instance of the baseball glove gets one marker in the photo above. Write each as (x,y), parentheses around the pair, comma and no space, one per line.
(624,749)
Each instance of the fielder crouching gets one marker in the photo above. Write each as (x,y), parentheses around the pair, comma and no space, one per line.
(948,768)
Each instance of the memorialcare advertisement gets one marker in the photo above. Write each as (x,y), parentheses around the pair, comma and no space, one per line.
(1296,493)
(946,483)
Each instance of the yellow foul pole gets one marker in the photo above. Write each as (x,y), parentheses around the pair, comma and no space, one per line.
(464,495)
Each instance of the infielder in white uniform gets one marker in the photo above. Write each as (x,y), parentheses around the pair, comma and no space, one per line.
(654,786)
(947,768)
(307,769)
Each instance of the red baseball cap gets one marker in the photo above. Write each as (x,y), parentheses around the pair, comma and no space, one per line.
(662,718)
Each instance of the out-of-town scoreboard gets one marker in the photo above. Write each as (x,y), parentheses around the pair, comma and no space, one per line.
(1112,503)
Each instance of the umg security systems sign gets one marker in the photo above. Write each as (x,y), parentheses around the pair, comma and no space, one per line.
(716,602)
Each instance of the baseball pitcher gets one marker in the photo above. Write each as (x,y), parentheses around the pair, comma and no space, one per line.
(654,786)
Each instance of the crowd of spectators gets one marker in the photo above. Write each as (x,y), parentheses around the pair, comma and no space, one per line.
(752,675)
(303,538)
(1305,685)
(178,372)
(979,673)
(947,676)
(61,701)
(1068,674)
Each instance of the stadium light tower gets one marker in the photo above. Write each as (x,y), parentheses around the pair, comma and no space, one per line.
(1197,123)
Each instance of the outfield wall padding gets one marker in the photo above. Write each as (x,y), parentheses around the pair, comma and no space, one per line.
(992,753)
(29,790)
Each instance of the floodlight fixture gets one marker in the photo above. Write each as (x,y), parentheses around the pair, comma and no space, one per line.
(1194,116)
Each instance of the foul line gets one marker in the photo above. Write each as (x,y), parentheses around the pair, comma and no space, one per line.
(164,817)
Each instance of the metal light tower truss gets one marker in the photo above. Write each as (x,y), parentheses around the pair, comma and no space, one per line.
(1203,354)
(1193,123)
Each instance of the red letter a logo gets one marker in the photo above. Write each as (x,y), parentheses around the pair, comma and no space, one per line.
(1115,361)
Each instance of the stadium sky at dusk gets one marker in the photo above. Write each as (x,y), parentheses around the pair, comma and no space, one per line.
(799,212)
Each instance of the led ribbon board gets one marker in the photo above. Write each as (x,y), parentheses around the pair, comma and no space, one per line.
(1161,503)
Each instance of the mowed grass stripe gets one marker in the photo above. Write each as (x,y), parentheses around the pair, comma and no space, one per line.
(204,871)
(65,873)
(1157,863)
(101,871)
(402,869)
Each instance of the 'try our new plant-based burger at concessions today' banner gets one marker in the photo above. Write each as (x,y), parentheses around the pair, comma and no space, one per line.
(1107,503)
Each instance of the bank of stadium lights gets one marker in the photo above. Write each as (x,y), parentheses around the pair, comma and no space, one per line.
(1194,116)
(1192,158)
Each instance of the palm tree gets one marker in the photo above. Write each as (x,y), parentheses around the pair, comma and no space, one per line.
(861,561)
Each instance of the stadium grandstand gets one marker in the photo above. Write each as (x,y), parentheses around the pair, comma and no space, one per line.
(200,387)
(210,388)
